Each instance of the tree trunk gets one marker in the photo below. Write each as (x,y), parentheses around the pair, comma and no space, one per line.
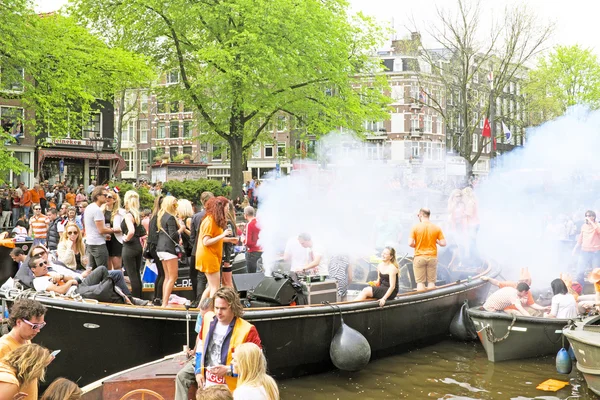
(236,171)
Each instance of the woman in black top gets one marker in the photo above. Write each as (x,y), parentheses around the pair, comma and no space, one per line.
(132,248)
(386,286)
(151,244)
(168,237)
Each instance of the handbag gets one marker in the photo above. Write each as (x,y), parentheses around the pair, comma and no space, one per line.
(178,250)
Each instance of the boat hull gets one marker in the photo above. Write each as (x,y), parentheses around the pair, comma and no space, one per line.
(586,347)
(295,339)
(529,336)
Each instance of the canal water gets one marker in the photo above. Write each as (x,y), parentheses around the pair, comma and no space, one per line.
(447,370)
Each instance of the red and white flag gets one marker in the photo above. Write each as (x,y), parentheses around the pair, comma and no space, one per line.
(487,130)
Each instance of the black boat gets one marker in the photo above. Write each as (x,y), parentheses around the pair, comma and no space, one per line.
(99,339)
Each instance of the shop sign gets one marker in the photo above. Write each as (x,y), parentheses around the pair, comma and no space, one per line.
(70,142)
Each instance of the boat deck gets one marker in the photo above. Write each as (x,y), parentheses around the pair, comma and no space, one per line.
(158,376)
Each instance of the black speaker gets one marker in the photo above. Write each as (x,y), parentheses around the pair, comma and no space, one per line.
(279,291)
(245,282)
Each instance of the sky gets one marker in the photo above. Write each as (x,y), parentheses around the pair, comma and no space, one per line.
(575,21)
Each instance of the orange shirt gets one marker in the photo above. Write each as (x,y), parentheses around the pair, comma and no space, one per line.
(597,287)
(26,199)
(425,235)
(208,258)
(525,302)
(8,344)
(35,196)
(589,238)
(70,197)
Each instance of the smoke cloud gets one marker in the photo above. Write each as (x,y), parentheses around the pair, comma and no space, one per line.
(535,199)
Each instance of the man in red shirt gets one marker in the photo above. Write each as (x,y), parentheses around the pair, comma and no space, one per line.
(253,250)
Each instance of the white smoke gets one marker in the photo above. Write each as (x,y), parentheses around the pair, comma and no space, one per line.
(529,199)
(348,203)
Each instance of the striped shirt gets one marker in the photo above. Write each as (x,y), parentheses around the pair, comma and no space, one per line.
(39,226)
(501,299)
(338,270)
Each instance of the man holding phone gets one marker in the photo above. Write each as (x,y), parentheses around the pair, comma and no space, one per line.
(589,242)
(26,320)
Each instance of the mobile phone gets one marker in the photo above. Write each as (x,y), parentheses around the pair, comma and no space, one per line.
(55,353)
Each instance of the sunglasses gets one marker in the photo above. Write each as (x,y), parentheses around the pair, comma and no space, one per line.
(37,209)
(72,233)
(589,215)
(109,197)
(35,326)
(38,254)
(42,264)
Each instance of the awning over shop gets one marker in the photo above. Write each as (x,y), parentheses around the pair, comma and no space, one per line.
(80,155)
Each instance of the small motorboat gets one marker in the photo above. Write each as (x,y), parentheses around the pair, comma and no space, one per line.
(584,337)
(510,337)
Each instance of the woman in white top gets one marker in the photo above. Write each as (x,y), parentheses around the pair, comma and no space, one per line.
(564,305)
(250,364)
(71,250)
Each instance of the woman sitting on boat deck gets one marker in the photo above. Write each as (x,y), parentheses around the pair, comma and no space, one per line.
(386,285)
(250,364)
(21,366)
(563,303)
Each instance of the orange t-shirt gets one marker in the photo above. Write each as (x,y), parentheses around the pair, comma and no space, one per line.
(70,197)
(208,258)
(8,344)
(425,235)
(35,196)
(597,287)
(26,199)
(512,284)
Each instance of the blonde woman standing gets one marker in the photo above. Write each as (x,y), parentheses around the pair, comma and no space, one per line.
(20,367)
(169,232)
(133,231)
(250,364)
(71,249)
(113,216)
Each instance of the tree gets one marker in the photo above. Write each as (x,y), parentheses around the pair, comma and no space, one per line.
(66,68)
(242,63)
(569,75)
(467,52)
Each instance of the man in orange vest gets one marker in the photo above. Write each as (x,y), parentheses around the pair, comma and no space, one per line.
(221,332)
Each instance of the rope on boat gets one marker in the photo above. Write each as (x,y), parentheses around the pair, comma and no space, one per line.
(489,333)
(560,336)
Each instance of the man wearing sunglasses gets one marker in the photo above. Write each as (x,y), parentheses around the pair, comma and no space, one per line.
(26,320)
(589,242)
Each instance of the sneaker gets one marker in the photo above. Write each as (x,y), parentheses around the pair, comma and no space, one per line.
(139,302)
(157,302)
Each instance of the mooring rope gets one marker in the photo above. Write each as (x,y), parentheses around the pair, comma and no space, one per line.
(489,333)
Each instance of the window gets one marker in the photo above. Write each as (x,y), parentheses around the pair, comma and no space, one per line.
(128,158)
(280,149)
(174,129)
(256,151)
(374,126)
(144,103)
(414,123)
(92,129)
(11,119)
(143,160)
(311,147)
(268,151)
(188,150)
(188,106)
(204,152)
(187,129)
(269,126)
(438,124)
(143,131)
(428,126)
(172,77)
(129,133)
(415,149)
(173,152)
(216,152)
(281,123)
(475,142)
(512,87)
(11,79)
(161,106)
(160,130)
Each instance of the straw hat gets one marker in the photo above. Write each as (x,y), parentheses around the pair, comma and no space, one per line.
(594,275)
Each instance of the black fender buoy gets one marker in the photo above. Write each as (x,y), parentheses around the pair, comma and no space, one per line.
(462,327)
(350,350)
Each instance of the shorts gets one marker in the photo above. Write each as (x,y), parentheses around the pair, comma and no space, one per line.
(165,255)
(425,269)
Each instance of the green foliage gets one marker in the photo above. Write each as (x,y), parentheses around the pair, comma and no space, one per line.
(567,76)
(242,63)
(192,189)
(67,68)
(146,199)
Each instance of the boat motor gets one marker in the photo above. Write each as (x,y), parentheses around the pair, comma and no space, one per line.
(350,350)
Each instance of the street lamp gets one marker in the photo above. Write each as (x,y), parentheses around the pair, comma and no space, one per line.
(97,145)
